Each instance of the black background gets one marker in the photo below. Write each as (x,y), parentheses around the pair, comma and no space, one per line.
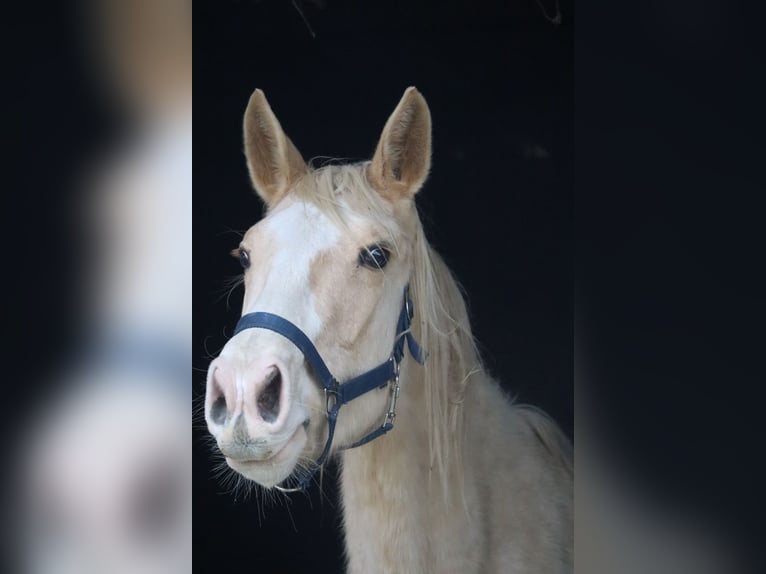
(57,124)
(498,204)
(669,276)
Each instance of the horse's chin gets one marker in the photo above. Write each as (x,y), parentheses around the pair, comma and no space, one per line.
(277,468)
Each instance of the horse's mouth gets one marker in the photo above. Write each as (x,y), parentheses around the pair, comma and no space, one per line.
(275,457)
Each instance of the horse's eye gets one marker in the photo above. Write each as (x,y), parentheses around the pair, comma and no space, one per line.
(374,256)
(244,258)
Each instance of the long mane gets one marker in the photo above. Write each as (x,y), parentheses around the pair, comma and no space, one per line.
(441,319)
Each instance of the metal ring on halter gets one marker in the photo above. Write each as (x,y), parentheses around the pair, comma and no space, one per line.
(327,394)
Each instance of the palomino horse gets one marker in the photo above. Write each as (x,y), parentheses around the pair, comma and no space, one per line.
(344,299)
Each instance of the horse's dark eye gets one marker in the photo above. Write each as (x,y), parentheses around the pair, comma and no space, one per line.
(374,257)
(244,258)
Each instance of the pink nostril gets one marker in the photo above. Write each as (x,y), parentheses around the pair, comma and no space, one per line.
(268,399)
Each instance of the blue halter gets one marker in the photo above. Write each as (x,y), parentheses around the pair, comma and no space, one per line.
(338,394)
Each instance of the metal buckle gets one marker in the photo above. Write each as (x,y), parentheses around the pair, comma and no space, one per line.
(390,416)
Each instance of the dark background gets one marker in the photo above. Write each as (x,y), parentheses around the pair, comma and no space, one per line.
(498,205)
(56,125)
(669,277)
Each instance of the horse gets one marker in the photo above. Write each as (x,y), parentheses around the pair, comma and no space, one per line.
(347,305)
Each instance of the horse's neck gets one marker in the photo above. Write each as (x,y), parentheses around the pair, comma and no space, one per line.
(382,483)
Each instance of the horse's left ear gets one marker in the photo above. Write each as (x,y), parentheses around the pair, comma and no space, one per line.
(403,156)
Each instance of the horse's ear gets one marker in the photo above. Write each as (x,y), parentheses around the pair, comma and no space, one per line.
(403,156)
(274,162)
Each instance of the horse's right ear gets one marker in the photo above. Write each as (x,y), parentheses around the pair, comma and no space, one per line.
(274,162)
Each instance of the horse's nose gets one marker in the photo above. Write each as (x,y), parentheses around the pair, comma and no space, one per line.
(254,394)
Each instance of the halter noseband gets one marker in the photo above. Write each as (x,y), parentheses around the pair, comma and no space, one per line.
(338,394)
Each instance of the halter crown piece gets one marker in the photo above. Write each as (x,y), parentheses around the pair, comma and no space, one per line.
(338,394)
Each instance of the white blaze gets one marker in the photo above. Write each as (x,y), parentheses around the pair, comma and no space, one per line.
(300,231)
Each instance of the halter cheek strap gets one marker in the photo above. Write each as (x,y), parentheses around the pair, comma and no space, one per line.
(338,394)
